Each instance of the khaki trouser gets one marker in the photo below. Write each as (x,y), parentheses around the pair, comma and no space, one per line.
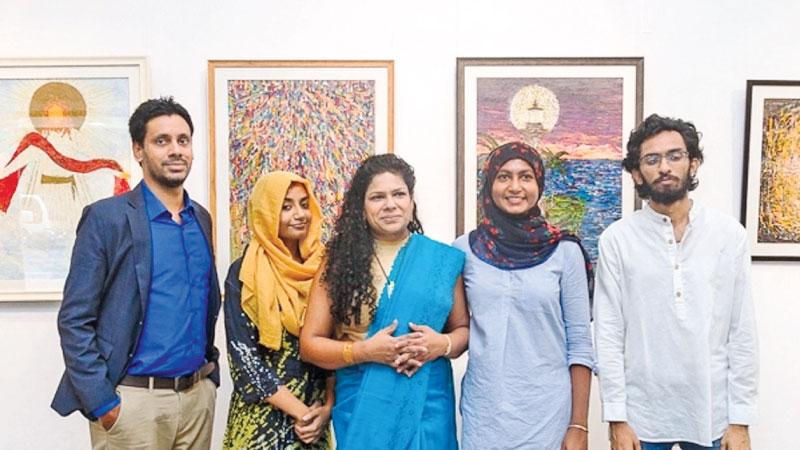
(160,419)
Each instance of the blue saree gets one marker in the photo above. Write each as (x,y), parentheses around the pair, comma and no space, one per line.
(377,408)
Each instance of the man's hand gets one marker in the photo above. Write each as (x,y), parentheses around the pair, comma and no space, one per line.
(623,437)
(736,437)
(108,419)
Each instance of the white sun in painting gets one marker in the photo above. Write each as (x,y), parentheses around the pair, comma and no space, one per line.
(534,104)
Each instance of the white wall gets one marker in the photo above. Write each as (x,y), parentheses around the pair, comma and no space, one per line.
(697,58)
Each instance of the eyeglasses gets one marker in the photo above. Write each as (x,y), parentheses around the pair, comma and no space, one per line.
(672,156)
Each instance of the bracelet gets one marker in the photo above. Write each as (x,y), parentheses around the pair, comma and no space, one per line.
(347,353)
(449,344)
(578,427)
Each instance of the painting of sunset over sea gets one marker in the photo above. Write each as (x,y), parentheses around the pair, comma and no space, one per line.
(584,185)
(578,125)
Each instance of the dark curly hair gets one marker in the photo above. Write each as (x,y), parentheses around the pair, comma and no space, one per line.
(650,127)
(348,268)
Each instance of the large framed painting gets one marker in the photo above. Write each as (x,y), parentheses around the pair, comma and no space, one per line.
(771,175)
(577,112)
(64,143)
(319,119)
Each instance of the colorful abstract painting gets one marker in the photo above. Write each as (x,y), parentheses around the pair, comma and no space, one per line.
(319,129)
(577,122)
(771,208)
(64,144)
(318,122)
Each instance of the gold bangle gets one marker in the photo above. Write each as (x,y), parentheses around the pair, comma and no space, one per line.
(449,345)
(578,427)
(347,353)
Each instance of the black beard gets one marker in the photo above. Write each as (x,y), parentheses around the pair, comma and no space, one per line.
(163,180)
(666,197)
(169,182)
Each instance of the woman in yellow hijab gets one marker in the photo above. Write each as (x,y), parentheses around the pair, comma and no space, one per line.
(278,400)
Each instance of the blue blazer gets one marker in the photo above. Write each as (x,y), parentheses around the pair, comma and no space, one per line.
(105,297)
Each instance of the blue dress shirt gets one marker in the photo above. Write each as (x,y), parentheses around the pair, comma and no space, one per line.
(173,338)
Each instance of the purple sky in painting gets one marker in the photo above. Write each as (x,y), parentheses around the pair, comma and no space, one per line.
(590,111)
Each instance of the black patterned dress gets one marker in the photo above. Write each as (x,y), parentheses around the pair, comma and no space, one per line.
(257,373)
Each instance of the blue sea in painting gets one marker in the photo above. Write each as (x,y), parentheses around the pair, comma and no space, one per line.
(598,182)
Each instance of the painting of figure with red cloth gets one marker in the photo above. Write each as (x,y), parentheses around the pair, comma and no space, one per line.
(63,145)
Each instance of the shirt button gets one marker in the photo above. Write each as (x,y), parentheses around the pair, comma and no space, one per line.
(669,241)
(677,294)
(664,220)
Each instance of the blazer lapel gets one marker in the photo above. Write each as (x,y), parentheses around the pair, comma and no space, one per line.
(140,234)
(205,225)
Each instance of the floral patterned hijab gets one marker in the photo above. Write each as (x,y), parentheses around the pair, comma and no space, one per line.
(521,241)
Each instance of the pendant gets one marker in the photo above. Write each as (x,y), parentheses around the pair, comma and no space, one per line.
(390,288)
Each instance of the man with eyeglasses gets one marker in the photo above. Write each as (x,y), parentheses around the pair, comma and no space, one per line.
(674,328)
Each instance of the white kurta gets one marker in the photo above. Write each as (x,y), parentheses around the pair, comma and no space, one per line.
(675,333)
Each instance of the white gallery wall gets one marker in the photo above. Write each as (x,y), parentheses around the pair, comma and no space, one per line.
(697,57)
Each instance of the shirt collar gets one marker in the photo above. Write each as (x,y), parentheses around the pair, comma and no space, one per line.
(654,216)
(157,209)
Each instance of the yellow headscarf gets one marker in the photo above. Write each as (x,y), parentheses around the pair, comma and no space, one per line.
(275,286)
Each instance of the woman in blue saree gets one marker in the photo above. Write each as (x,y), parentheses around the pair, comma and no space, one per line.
(387,311)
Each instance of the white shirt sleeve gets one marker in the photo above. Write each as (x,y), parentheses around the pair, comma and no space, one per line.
(742,345)
(610,333)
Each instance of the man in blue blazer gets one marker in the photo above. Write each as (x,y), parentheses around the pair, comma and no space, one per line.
(141,302)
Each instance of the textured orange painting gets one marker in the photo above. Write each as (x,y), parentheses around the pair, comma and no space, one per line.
(779,200)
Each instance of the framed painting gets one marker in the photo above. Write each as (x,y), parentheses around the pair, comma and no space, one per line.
(64,143)
(577,112)
(318,119)
(771,173)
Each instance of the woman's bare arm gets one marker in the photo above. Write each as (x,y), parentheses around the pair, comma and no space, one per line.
(317,345)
